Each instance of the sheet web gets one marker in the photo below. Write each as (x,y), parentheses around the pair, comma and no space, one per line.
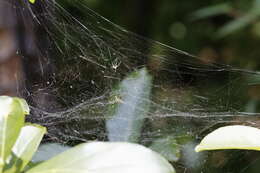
(85,58)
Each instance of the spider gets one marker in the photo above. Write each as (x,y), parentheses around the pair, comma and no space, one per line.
(116,64)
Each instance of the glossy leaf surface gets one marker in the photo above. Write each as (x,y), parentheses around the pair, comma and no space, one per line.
(25,146)
(231,137)
(102,157)
(12,116)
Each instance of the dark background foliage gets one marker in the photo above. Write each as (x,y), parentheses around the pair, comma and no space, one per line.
(221,31)
(216,30)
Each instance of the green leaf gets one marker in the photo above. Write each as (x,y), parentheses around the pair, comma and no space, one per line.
(168,148)
(12,115)
(237,24)
(25,147)
(211,11)
(24,106)
(105,157)
(251,16)
(130,107)
(32,1)
(231,137)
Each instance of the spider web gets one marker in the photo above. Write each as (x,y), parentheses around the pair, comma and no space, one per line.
(79,61)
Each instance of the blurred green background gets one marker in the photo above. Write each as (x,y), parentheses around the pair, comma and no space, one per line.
(215,30)
(221,31)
